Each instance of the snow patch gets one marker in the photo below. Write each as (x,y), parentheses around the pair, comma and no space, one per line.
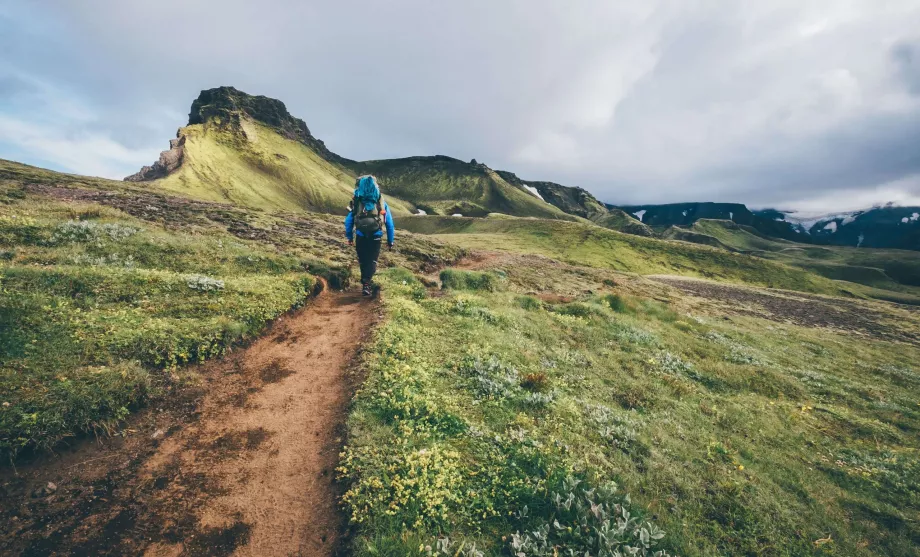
(808,219)
(456,215)
(731,216)
(685,213)
(848,220)
(534,191)
(832,226)
(640,214)
(905,220)
(859,240)
(421,212)
(915,216)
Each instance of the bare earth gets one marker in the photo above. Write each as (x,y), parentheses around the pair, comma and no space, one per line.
(876,319)
(242,466)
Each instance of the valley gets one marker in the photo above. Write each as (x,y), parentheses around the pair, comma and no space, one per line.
(183,357)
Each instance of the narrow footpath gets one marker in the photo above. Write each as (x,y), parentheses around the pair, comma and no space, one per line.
(243,465)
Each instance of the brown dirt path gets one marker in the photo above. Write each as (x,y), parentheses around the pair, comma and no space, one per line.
(246,468)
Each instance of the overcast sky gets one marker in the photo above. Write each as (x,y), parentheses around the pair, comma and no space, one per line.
(789,103)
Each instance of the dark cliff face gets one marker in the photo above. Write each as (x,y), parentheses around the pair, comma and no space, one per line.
(222,103)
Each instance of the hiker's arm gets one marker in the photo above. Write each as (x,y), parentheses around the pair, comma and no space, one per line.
(349,225)
(391,228)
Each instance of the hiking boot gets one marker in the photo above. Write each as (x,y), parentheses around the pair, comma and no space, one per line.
(366,289)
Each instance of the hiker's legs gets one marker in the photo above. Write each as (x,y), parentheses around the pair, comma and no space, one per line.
(368,252)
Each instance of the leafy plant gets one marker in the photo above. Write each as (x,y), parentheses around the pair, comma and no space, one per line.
(587,521)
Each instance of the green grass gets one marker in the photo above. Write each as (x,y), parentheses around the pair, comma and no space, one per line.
(594,246)
(741,437)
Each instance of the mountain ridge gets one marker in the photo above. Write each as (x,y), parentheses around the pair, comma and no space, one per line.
(885,226)
(228,128)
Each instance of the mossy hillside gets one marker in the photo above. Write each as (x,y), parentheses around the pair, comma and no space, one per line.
(258,168)
(572,200)
(741,437)
(616,219)
(582,244)
(443,185)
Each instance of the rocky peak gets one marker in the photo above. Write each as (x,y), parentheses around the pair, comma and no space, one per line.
(224,105)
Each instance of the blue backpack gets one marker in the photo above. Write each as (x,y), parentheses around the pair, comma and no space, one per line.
(367,206)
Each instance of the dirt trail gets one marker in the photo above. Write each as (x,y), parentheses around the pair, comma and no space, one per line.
(250,472)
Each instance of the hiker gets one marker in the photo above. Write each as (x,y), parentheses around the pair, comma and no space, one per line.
(367,215)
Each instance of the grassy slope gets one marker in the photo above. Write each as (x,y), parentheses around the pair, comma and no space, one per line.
(599,247)
(448,186)
(737,437)
(895,270)
(261,170)
(616,219)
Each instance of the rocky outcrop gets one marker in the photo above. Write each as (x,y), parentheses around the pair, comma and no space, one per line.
(223,106)
(169,161)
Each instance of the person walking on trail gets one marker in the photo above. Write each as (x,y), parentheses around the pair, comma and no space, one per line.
(367,217)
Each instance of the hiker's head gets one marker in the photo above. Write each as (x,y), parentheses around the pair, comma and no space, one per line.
(366,189)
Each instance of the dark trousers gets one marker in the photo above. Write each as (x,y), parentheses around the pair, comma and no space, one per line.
(368,251)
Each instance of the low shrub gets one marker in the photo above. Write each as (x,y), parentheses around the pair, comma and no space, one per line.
(337,277)
(536,382)
(470,280)
(618,303)
(529,303)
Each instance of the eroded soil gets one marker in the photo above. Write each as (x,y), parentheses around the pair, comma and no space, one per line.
(875,319)
(243,464)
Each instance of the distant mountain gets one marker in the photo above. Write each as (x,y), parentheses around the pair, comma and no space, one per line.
(881,227)
(888,226)
(580,202)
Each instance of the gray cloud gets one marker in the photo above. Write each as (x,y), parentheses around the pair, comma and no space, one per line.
(767,103)
(907,57)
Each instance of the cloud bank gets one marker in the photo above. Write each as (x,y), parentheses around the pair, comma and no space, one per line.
(783,103)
